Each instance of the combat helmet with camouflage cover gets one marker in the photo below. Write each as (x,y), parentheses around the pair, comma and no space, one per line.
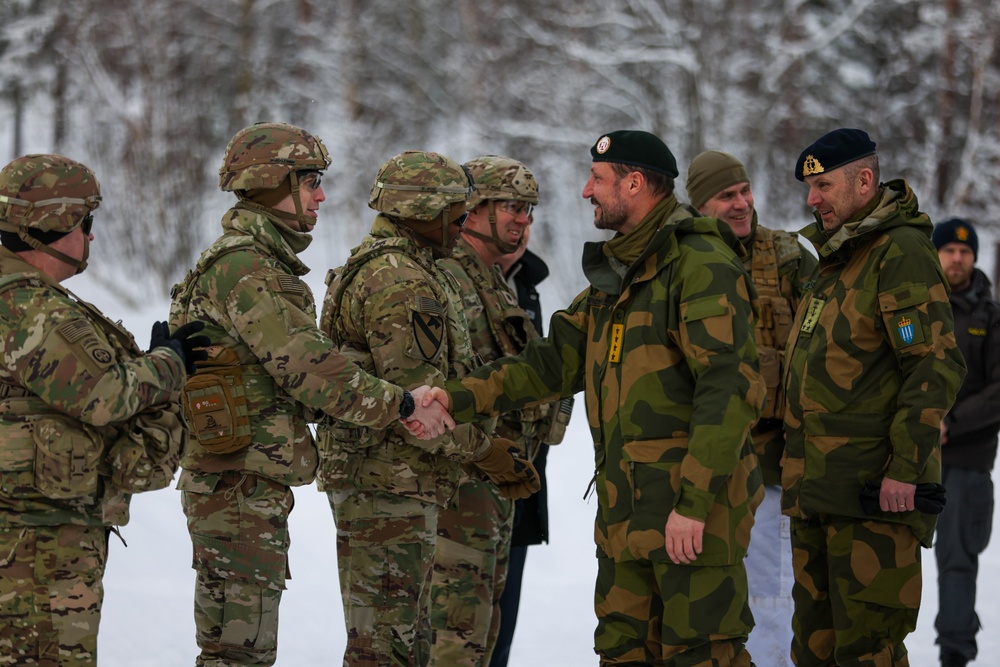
(262,156)
(419,189)
(45,196)
(499,178)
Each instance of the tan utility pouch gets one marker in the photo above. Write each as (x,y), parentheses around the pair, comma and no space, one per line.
(215,403)
(559,417)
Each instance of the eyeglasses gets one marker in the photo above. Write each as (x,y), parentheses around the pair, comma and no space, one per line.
(313,182)
(515,208)
(87,223)
(460,220)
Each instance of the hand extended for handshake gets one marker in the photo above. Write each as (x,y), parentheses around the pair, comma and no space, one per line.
(430,418)
(515,477)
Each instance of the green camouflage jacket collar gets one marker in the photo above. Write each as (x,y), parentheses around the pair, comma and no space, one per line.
(673,222)
(271,237)
(897,206)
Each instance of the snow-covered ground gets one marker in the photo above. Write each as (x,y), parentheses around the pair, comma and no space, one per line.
(148,616)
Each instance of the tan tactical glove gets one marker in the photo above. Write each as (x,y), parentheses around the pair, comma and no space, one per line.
(515,477)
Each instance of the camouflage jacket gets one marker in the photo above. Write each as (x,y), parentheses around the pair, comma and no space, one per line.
(778,266)
(72,384)
(247,290)
(666,357)
(398,314)
(498,327)
(872,364)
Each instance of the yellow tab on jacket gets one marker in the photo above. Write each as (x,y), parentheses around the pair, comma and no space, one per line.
(812,315)
(615,349)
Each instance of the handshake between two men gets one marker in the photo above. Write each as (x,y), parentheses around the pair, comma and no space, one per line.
(500,460)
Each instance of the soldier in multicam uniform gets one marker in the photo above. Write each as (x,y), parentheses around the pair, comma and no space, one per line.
(400,314)
(523,271)
(872,368)
(272,371)
(504,193)
(662,342)
(86,419)
(719,187)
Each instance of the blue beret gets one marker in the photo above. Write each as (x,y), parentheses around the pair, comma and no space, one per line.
(636,149)
(833,150)
(955,230)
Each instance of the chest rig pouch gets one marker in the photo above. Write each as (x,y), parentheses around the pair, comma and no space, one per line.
(215,403)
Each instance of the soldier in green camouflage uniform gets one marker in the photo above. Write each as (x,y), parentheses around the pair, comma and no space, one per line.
(280,371)
(86,419)
(662,342)
(399,314)
(872,368)
(499,210)
(719,186)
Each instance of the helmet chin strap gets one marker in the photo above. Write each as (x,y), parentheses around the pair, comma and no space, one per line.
(504,247)
(298,216)
(80,264)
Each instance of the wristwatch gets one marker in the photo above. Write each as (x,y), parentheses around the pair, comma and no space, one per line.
(406,406)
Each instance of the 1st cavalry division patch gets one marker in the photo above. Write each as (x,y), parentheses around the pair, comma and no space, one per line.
(427,321)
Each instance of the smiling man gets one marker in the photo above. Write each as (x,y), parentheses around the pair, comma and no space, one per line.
(419,524)
(719,187)
(662,343)
(500,207)
(873,366)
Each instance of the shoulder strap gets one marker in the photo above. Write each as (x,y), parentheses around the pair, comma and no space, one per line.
(221,248)
(339,278)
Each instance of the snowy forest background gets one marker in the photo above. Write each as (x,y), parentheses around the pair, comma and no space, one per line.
(148,93)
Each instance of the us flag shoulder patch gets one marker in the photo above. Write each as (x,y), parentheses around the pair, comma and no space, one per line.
(76,330)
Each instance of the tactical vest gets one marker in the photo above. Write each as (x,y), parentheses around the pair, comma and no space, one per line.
(772,250)
(509,324)
(58,469)
(359,457)
(510,330)
(232,384)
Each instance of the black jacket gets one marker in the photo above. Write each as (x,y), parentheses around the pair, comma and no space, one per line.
(975,418)
(531,516)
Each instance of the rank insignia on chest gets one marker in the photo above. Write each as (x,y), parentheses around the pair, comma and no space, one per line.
(615,348)
(904,330)
(811,319)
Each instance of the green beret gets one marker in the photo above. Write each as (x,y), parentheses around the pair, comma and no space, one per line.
(834,150)
(636,149)
(712,172)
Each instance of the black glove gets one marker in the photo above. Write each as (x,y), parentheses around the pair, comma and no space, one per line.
(929,498)
(181,342)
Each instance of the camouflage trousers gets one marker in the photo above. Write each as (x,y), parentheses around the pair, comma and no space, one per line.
(238,524)
(470,569)
(385,549)
(659,613)
(50,594)
(857,592)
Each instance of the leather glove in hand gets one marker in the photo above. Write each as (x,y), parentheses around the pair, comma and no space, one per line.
(515,477)
(182,342)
